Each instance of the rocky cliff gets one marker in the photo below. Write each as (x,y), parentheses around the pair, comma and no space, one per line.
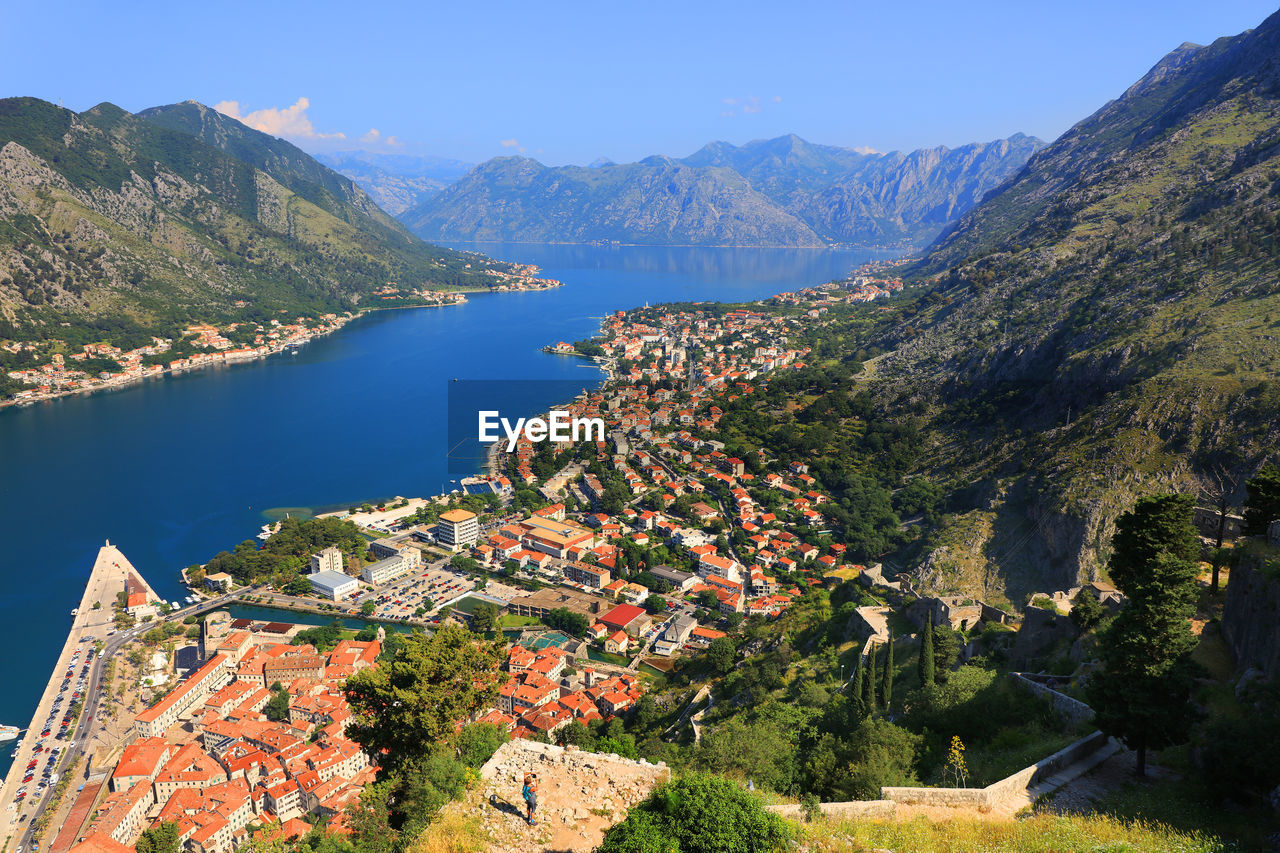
(1251,619)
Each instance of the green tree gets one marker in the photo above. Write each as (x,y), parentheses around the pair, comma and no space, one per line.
(857,708)
(161,838)
(368,607)
(720,654)
(463,563)
(697,814)
(886,682)
(484,617)
(1156,525)
(564,619)
(298,586)
(370,819)
(869,682)
(655,604)
(926,662)
(277,708)
(1263,504)
(404,705)
(477,743)
(1142,695)
(1086,610)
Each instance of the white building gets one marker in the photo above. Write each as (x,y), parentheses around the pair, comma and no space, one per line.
(458,528)
(328,560)
(333,584)
(676,635)
(388,569)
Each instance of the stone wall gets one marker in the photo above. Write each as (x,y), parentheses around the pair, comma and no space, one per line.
(1069,708)
(874,809)
(1251,619)
(1206,521)
(985,799)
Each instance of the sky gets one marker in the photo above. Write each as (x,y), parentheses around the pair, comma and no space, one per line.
(569,82)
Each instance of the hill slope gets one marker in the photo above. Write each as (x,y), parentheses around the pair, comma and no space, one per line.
(111,223)
(781,191)
(1108,324)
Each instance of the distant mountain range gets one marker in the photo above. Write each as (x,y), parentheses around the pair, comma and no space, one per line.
(397,182)
(777,192)
(111,221)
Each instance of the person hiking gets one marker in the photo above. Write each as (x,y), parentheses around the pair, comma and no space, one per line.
(530,794)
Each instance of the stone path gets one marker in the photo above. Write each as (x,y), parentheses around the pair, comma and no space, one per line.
(580,795)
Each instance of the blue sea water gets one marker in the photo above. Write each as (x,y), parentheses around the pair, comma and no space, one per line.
(174,470)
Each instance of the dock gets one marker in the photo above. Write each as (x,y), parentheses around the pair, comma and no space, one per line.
(111,571)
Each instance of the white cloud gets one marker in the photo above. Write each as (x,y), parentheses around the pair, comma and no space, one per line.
(373,137)
(509,143)
(289,122)
(749,105)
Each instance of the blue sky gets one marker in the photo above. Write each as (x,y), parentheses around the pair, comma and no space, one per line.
(570,82)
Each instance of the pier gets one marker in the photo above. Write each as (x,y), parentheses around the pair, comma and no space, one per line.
(110,574)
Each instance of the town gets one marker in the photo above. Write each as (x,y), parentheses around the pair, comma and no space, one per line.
(606,568)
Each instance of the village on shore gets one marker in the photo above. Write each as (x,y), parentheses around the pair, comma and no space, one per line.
(102,366)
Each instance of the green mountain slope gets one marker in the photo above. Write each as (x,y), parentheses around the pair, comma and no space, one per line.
(1108,324)
(781,191)
(113,224)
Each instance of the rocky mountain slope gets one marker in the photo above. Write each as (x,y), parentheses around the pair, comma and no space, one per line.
(396,182)
(778,192)
(1108,324)
(111,223)
(580,795)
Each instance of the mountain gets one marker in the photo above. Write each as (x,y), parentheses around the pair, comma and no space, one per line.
(112,223)
(777,192)
(658,200)
(1107,324)
(396,182)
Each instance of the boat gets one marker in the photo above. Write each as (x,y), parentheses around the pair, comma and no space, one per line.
(8,733)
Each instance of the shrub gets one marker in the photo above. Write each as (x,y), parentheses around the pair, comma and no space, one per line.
(697,814)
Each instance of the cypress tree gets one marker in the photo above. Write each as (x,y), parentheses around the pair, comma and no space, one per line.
(869,683)
(926,652)
(886,686)
(1142,696)
(855,693)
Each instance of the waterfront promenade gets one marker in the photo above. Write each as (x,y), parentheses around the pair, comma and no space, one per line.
(108,577)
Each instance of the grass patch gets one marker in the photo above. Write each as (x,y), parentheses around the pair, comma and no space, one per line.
(1188,806)
(1212,653)
(1039,833)
(511,620)
(451,832)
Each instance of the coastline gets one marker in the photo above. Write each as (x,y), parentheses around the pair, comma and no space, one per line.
(220,359)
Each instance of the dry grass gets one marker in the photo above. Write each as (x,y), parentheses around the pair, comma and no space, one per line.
(452,832)
(1039,833)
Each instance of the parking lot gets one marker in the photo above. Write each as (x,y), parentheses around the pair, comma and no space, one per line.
(401,598)
(40,770)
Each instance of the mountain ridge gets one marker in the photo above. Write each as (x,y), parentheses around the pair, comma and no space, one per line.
(778,192)
(112,224)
